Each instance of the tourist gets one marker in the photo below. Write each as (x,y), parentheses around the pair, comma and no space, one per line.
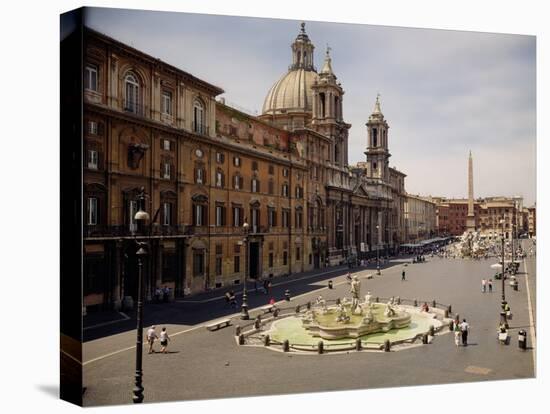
(158,294)
(464,328)
(164,338)
(232,299)
(425,307)
(403,275)
(457,334)
(266,284)
(490,284)
(151,336)
(483,285)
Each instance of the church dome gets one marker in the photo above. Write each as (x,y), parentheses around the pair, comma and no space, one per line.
(291,93)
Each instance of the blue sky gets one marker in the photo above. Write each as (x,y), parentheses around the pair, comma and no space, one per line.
(443,92)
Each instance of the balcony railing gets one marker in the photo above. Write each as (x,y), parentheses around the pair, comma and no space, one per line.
(199,128)
(132,107)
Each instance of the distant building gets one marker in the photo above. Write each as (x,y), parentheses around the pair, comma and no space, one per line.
(420,218)
(532,218)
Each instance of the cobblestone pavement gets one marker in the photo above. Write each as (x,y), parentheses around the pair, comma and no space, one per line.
(205,364)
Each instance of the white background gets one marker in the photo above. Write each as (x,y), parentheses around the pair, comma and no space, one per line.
(29,207)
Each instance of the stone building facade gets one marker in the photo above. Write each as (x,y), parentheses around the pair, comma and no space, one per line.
(420,218)
(207,167)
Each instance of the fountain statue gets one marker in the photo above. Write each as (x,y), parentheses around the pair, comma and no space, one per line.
(355,292)
(353,320)
(368,298)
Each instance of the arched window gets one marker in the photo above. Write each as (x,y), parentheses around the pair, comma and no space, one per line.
(131,86)
(198,117)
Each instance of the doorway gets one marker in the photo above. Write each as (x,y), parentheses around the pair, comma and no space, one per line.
(254,260)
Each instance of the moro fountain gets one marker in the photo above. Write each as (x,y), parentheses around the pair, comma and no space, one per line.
(354,319)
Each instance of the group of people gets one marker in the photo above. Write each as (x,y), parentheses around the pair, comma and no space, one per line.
(486,284)
(230,299)
(152,337)
(461,332)
(162,294)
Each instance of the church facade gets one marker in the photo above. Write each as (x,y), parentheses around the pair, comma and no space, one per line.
(208,168)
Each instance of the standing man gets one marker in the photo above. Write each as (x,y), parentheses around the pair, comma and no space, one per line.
(464,328)
(151,336)
(483,285)
(403,275)
(490,283)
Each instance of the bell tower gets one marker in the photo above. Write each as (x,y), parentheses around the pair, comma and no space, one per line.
(377,144)
(302,51)
(327,113)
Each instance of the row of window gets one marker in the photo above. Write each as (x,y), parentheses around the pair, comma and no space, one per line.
(238,183)
(200,216)
(133,97)
(199,256)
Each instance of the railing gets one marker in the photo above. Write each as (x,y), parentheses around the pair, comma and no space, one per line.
(199,128)
(133,107)
(255,332)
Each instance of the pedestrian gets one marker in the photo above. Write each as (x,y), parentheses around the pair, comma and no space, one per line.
(464,328)
(232,299)
(269,286)
(164,338)
(151,336)
(490,284)
(457,335)
(483,285)
(403,275)
(266,284)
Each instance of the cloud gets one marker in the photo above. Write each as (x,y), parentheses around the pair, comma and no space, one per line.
(443,92)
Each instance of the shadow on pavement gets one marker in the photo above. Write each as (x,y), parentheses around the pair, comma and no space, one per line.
(193,312)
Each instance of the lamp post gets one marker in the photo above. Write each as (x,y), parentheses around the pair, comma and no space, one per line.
(244,306)
(377,250)
(503,318)
(141,218)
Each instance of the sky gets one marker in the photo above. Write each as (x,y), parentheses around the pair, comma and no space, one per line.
(443,92)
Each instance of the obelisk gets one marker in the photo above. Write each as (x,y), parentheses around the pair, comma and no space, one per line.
(470,219)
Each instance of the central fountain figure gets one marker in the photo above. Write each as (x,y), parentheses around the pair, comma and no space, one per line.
(355,292)
(353,320)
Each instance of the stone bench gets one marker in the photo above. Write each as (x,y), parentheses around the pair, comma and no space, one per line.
(218,324)
(267,309)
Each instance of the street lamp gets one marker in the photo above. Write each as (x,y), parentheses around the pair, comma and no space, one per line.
(141,218)
(503,318)
(377,250)
(244,306)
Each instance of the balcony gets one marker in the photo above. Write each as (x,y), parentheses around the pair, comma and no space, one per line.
(134,108)
(199,128)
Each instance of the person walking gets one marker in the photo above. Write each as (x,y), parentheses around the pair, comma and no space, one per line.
(403,275)
(457,334)
(483,285)
(164,338)
(490,284)
(151,336)
(464,328)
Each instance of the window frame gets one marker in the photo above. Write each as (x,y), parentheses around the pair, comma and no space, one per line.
(88,70)
(166,102)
